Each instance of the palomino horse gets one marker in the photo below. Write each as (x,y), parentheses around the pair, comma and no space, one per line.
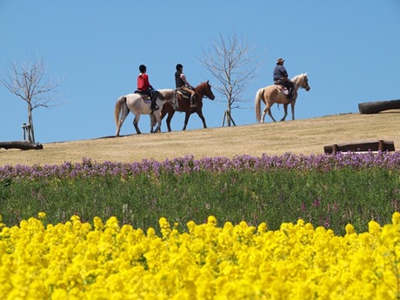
(139,106)
(272,94)
(183,105)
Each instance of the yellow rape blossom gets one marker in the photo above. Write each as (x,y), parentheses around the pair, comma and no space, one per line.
(106,261)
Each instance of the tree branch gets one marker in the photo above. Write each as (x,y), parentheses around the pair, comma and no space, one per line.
(27,82)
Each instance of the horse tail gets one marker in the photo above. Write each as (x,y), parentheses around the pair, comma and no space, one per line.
(257,104)
(118,107)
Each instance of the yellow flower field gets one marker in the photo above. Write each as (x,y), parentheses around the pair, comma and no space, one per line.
(76,260)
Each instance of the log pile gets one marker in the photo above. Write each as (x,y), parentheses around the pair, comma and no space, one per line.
(378,106)
(23,145)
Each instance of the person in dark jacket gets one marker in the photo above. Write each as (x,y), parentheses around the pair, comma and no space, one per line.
(182,83)
(144,86)
(281,77)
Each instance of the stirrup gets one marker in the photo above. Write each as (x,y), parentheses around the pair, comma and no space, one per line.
(193,104)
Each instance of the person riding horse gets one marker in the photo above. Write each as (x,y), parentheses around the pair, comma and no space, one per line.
(182,84)
(144,87)
(281,77)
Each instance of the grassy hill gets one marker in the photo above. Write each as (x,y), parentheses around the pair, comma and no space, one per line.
(307,136)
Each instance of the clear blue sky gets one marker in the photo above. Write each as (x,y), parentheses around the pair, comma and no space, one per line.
(350,50)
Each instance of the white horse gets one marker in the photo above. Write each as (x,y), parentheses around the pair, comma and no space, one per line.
(139,105)
(273,94)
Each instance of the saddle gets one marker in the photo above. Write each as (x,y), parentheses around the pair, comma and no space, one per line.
(283,89)
(183,93)
(143,95)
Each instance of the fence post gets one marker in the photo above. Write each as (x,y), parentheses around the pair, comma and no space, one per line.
(25,128)
(381,145)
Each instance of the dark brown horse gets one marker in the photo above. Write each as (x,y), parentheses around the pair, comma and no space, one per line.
(182,104)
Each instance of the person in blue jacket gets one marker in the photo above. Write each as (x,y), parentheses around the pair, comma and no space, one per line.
(281,77)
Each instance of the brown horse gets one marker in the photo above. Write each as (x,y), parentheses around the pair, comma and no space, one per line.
(182,104)
(272,94)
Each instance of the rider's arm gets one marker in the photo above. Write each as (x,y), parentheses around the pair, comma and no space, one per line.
(148,82)
(185,81)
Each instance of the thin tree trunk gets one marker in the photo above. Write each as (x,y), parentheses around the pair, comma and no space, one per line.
(31,134)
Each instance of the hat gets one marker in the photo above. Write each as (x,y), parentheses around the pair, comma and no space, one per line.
(142,68)
(178,66)
(280,60)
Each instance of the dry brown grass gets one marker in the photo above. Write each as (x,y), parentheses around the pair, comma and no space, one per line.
(307,136)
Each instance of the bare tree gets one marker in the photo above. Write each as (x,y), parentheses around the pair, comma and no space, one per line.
(27,81)
(231,61)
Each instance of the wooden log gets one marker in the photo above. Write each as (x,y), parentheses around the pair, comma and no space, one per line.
(365,146)
(23,145)
(378,106)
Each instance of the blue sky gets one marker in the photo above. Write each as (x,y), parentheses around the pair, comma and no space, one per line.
(350,50)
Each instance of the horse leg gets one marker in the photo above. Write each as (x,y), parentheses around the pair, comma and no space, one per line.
(186,120)
(263,115)
(135,123)
(267,109)
(285,110)
(169,118)
(152,123)
(200,113)
(292,104)
(187,116)
(157,120)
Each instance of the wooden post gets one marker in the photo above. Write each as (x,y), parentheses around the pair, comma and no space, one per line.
(381,145)
(25,129)
(334,148)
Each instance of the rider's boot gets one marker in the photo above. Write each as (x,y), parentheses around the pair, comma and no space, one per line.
(290,95)
(192,100)
(154,105)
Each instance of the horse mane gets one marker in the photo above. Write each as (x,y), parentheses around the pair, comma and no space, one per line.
(166,93)
(297,77)
(201,85)
(161,96)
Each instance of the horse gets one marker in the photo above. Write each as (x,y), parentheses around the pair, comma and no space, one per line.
(182,104)
(272,94)
(141,106)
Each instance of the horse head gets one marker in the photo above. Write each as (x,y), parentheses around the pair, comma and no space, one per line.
(302,81)
(204,88)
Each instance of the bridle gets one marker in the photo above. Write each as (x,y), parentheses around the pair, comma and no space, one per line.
(305,79)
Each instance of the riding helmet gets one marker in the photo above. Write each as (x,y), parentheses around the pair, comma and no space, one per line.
(142,68)
(178,67)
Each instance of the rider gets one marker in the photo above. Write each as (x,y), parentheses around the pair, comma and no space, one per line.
(281,77)
(145,87)
(182,83)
